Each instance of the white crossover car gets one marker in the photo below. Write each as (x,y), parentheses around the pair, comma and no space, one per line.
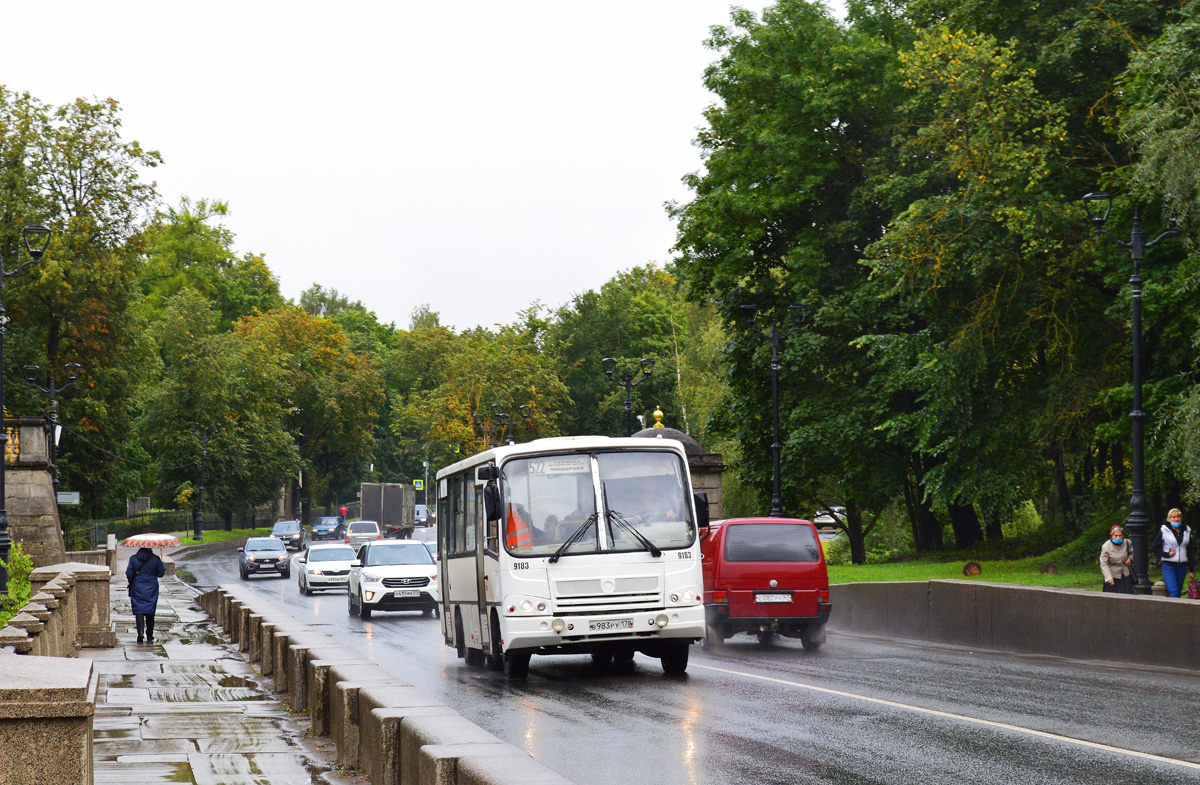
(392,575)
(324,567)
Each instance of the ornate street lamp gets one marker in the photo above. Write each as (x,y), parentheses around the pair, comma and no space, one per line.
(799,315)
(1098,206)
(609,365)
(37,238)
(32,373)
(198,520)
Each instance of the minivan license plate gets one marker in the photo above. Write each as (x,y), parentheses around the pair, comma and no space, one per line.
(406,593)
(608,625)
(773,598)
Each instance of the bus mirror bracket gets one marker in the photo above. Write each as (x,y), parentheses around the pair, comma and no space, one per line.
(491,502)
(701,509)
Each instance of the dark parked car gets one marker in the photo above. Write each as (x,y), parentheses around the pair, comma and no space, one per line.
(290,533)
(263,554)
(328,527)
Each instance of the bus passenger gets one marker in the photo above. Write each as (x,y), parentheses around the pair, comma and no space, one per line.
(518,534)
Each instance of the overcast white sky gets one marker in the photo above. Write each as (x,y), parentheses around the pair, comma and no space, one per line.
(476,155)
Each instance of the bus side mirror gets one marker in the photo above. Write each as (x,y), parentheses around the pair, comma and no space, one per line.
(491,502)
(487,473)
(701,510)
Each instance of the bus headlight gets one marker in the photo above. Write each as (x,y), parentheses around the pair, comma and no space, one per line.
(559,625)
(518,605)
(688,595)
(661,620)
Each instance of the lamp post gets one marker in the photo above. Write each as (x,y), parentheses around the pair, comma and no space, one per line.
(1097,206)
(749,315)
(198,521)
(484,428)
(31,374)
(609,364)
(36,238)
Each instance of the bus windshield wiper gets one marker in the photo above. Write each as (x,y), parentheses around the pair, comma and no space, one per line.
(575,536)
(615,517)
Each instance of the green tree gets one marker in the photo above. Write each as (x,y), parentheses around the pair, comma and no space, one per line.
(217,382)
(331,397)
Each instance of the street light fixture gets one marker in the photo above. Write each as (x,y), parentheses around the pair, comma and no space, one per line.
(37,239)
(799,315)
(198,520)
(32,373)
(609,364)
(1097,205)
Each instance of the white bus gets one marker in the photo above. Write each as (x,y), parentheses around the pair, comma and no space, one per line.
(571,545)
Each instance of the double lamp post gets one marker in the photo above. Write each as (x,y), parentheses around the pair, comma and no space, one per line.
(631,380)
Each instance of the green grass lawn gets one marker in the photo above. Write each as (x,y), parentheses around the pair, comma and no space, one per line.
(1026,572)
(222,535)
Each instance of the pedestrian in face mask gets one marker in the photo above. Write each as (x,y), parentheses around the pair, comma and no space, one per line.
(1174,544)
(1115,557)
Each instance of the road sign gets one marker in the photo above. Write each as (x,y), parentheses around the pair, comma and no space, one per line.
(68,497)
(418,485)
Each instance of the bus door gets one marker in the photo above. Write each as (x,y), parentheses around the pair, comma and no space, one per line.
(487,560)
(444,528)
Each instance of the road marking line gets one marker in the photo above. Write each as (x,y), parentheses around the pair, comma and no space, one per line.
(960,717)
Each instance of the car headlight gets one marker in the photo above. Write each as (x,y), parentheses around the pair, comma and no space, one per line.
(371,577)
(250,558)
(315,572)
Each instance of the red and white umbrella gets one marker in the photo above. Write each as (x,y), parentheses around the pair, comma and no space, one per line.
(159,541)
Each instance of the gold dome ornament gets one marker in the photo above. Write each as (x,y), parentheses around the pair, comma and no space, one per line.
(658,415)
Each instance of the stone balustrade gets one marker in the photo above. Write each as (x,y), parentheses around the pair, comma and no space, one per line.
(46,711)
(69,609)
(380,724)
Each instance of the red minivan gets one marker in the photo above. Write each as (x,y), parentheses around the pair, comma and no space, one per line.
(765,576)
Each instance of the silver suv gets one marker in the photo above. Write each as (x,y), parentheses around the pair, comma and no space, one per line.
(358,532)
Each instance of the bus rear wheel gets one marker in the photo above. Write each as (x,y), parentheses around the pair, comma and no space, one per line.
(675,656)
(516,664)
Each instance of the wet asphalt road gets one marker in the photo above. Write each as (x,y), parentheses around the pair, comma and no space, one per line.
(861,710)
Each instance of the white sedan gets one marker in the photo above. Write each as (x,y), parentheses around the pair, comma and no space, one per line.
(392,575)
(324,567)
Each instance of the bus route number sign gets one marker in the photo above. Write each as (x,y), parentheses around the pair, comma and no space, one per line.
(566,464)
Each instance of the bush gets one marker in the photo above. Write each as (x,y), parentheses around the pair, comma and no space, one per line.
(19,589)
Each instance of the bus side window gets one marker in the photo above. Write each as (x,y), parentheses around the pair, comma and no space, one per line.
(460,514)
(469,513)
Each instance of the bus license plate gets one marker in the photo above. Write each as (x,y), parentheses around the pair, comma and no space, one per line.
(406,593)
(608,625)
(773,598)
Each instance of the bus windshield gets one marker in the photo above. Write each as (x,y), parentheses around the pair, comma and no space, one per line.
(551,500)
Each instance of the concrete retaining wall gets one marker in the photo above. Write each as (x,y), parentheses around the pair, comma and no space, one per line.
(1060,622)
(380,724)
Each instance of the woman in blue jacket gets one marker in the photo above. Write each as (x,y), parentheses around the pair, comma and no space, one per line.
(1173,544)
(143,573)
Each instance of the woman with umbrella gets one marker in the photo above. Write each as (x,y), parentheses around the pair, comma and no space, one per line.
(143,572)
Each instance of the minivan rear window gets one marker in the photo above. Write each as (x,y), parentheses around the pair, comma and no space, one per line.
(771,542)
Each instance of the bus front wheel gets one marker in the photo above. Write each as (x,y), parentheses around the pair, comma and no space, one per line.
(516,664)
(675,656)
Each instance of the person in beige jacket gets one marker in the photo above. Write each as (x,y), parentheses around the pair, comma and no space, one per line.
(1115,557)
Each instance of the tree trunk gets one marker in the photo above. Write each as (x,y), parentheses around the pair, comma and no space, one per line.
(965,522)
(854,531)
(1064,490)
(995,530)
(228,516)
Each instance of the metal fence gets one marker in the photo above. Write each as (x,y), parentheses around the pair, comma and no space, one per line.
(88,535)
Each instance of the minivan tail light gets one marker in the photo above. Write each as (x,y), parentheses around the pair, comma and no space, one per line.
(822,595)
(720,597)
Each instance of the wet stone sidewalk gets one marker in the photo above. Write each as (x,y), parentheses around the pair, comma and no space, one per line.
(189,709)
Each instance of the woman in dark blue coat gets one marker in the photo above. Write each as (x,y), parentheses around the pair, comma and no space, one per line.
(143,573)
